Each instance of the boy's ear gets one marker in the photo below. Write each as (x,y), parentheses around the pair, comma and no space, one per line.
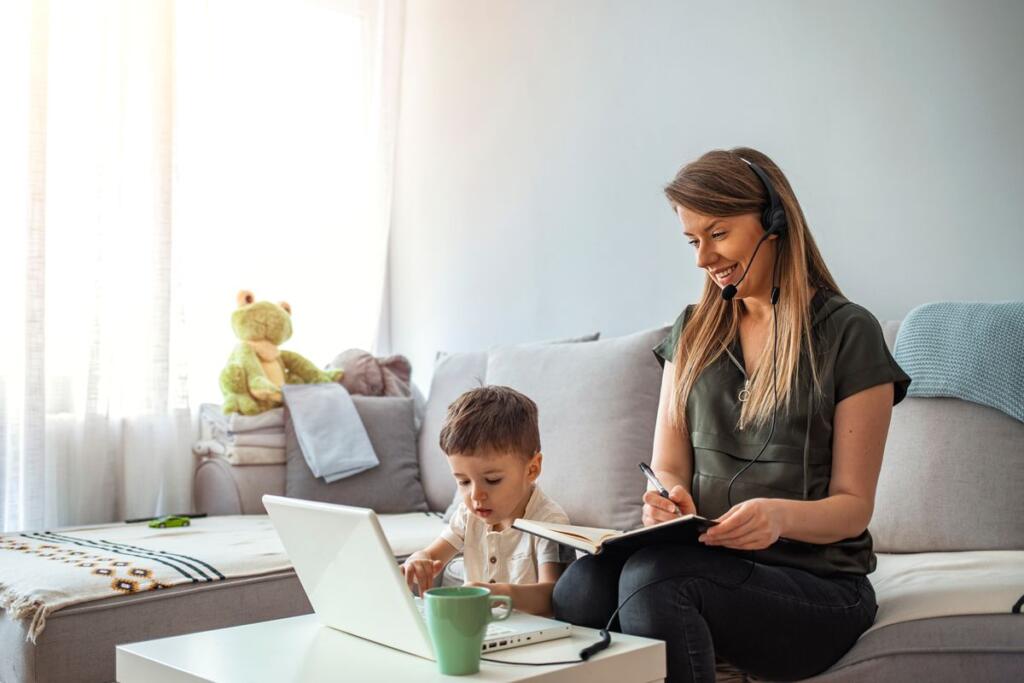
(533,468)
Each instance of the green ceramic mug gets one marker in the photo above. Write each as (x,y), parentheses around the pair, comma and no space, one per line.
(457,619)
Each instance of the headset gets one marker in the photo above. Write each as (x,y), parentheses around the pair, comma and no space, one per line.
(774,222)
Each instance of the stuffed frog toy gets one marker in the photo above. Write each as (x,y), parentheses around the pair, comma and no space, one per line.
(257,369)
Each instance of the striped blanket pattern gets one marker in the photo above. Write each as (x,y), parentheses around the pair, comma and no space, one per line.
(41,572)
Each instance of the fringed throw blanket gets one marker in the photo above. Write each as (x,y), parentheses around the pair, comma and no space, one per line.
(45,571)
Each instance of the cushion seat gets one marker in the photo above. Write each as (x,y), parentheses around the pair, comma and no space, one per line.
(915,586)
(986,647)
(941,616)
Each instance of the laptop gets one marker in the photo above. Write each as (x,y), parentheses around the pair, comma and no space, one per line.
(351,578)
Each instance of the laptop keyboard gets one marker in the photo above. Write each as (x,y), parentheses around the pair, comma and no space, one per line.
(494,629)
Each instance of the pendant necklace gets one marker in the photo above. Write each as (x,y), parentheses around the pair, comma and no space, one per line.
(745,391)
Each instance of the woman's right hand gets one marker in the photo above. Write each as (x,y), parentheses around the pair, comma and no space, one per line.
(658,509)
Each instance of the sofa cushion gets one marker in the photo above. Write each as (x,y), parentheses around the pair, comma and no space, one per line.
(913,586)
(963,648)
(951,479)
(454,374)
(392,486)
(598,403)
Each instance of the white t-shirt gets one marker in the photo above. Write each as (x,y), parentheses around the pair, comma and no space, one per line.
(509,555)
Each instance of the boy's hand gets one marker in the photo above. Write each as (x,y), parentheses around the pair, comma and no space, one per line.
(495,588)
(421,571)
(658,509)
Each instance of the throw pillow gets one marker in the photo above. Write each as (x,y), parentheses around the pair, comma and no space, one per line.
(391,487)
(950,458)
(598,403)
(454,374)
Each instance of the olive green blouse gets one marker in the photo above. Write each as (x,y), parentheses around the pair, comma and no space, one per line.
(797,464)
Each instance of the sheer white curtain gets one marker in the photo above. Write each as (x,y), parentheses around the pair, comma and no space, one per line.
(156,157)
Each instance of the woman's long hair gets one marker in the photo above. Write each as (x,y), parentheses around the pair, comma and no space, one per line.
(721,184)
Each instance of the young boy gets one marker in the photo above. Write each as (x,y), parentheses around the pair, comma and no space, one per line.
(491,438)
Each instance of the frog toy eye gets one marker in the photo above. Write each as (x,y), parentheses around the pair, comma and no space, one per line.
(245,297)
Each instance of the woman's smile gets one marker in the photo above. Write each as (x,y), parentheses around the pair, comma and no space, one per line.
(724,276)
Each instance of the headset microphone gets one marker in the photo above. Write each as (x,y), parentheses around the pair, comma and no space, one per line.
(729,291)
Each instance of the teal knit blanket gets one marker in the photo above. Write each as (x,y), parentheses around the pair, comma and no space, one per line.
(971,351)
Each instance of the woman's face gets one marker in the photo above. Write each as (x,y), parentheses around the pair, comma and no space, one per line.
(723,247)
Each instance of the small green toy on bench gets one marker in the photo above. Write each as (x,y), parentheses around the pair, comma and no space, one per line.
(168,521)
(257,369)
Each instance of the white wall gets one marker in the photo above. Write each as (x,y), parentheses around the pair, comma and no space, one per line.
(535,137)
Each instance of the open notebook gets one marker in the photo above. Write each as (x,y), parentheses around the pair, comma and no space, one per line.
(591,540)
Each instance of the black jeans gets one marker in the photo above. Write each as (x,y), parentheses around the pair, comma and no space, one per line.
(773,622)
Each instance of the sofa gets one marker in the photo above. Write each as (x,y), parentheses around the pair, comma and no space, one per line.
(948,524)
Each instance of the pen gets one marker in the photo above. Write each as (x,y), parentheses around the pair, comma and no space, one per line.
(653,478)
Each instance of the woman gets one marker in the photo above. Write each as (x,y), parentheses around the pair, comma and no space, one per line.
(775,404)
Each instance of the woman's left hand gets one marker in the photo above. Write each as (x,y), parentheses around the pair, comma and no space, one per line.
(753,524)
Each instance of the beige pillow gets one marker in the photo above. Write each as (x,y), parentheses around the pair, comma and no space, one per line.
(598,403)
(951,479)
(454,374)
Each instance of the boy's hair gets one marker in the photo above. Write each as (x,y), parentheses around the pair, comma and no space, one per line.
(491,417)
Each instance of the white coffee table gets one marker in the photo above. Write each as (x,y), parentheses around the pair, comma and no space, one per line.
(302,649)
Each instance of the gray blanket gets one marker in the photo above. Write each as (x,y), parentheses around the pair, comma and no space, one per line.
(330,432)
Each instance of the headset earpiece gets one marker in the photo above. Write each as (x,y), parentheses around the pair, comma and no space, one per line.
(773,218)
(774,221)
